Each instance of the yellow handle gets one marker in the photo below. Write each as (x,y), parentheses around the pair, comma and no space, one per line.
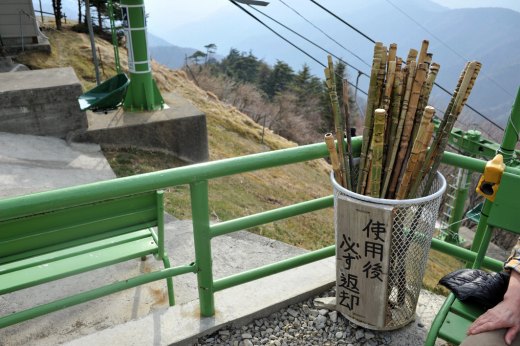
(490,180)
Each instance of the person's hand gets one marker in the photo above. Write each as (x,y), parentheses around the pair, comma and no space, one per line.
(504,315)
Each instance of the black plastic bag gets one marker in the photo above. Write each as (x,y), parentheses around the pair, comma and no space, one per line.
(477,287)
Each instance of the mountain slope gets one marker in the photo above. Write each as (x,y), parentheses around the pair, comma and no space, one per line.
(489,35)
(230,134)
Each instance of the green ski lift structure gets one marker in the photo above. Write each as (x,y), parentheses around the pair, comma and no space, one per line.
(469,143)
(138,92)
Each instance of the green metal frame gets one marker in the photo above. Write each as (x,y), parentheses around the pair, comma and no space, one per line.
(56,243)
(453,317)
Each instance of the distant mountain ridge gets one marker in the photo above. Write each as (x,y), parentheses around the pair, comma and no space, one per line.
(489,35)
(166,53)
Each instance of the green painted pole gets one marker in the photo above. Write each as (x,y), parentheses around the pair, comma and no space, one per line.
(202,240)
(142,94)
(465,254)
(270,269)
(482,235)
(461,194)
(511,134)
(249,221)
(93,294)
(114,35)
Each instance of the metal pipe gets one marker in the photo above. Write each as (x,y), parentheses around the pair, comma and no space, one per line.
(461,161)
(21,29)
(94,294)
(273,268)
(142,93)
(463,181)
(62,198)
(270,216)
(511,134)
(202,242)
(92,42)
(114,36)
(41,10)
(465,254)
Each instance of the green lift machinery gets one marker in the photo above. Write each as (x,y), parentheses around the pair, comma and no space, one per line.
(138,92)
(470,143)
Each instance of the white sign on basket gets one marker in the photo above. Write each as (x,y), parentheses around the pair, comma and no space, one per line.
(362,260)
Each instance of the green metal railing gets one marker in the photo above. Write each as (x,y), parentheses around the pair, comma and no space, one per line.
(197,177)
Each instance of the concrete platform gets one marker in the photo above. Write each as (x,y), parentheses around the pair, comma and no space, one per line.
(31,164)
(179,129)
(41,102)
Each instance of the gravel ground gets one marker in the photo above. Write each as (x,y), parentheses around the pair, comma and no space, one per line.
(305,324)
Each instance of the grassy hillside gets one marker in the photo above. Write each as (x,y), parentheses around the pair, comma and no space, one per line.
(230,134)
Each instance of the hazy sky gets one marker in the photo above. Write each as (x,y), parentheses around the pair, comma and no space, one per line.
(180,12)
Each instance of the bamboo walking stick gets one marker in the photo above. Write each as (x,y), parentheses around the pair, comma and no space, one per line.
(338,122)
(346,110)
(415,114)
(425,95)
(394,135)
(429,155)
(381,76)
(462,96)
(331,146)
(377,146)
(419,145)
(409,119)
(423,52)
(382,54)
(428,60)
(367,130)
(412,56)
(396,170)
(392,53)
(422,159)
(390,78)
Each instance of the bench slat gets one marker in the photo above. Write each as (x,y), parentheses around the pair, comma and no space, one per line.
(39,274)
(73,250)
(467,311)
(40,236)
(454,328)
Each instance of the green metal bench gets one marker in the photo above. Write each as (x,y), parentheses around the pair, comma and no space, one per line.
(455,317)
(58,243)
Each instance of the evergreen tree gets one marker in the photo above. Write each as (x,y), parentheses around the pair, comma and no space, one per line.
(242,67)
(196,56)
(305,85)
(56,7)
(280,79)
(210,49)
(80,14)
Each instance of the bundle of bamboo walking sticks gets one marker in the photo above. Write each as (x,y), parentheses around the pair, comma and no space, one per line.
(396,155)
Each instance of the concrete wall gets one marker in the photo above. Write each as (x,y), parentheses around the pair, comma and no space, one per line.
(17,19)
(41,102)
(179,129)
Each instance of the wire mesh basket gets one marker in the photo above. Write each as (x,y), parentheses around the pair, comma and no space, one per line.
(382,248)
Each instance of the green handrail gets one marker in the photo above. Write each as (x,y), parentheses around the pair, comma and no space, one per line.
(197,177)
